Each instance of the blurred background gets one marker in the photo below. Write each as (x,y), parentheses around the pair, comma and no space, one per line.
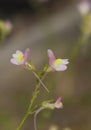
(40,25)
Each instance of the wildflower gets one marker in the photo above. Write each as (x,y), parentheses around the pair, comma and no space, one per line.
(20,58)
(84,7)
(56,64)
(8,25)
(46,104)
(58,104)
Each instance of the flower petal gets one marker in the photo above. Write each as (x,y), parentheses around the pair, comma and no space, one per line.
(19,52)
(62,67)
(59,65)
(14,55)
(51,56)
(65,61)
(58,103)
(26,55)
(59,100)
(13,61)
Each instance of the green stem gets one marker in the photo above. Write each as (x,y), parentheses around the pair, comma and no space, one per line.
(29,110)
(23,120)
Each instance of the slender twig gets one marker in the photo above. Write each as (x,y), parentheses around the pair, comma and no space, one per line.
(40,81)
(35,116)
(36,75)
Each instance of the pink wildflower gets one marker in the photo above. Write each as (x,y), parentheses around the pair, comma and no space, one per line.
(20,58)
(57,64)
(58,104)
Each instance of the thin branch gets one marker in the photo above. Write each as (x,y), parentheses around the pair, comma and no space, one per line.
(40,81)
(35,117)
(36,75)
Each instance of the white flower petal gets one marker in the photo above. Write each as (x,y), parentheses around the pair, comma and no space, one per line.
(65,61)
(19,52)
(59,105)
(14,55)
(13,61)
(62,67)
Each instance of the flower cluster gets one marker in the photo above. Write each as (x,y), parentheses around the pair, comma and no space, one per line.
(21,59)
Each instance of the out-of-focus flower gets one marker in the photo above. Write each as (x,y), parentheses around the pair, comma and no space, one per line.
(67,128)
(58,104)
(8,25)
(57,64)
(84,7)
(5,29)
(53,127)
(20,58)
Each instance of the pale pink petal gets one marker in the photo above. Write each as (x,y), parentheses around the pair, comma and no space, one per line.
(65,61)
(19,52)
(58,103)
(26,55)
(13,61)
(59,100)
(14,55)
(62,67)
(51,57)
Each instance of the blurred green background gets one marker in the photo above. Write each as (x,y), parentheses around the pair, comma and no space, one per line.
(40,25)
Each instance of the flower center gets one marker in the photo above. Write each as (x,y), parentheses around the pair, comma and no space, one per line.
(57,62)
(20,57)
